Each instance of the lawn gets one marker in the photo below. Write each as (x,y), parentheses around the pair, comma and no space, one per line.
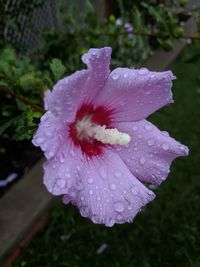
(167,233)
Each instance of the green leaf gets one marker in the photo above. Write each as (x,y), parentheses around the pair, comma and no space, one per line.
(138,23)
(26,81)
(21,106)
(57,68)
(6,124)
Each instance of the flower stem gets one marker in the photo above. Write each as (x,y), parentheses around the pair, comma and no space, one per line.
(21,98)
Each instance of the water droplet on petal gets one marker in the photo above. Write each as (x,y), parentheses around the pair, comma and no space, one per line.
(119,217)
(90,192)
(130,207)
(110,222)
(85,211)
(125,75)
(134,190)
(80,185)
(39,140)
(90,181)
(118,174)
(94,218)
(142,160)
(142,71)
(115,76)
(165,147)
(48,134)
(61,183)
(102,172)
(119,206)
(72,153)
(134,128)
(147,92)
(165,133)
(150,142)
(98,198)
(113,186)
(50,154)
(148,127)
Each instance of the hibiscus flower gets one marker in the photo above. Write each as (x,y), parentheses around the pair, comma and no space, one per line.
(100,149)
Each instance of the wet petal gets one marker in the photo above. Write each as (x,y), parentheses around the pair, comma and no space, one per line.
(65,96)
(109,193)
(62,171)
(97,61)
(150,152)
(81,87)
(135,94)
(50,134)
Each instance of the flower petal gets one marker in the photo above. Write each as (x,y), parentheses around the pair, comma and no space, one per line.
(82,86)
(110,193)
(62,171)
(65,96)
(150,152)
(97,61)
(50,134)
(135,94)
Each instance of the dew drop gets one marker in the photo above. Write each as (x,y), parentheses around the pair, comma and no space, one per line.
(134,128)
(125,75)
(115,76)
(130,207)
(85,211)
(148,127)
(113,186)
(79,185)
(165,147)
(50,154)
(48,134)
(142,160)
(119,217)
(72,153)
(165,133)
(142,71)
(90,192)
(150,142)
(119,206)
(118,174)
(102,172)
(98,198)
(61,183)
(39,140)
(110,223)
(147,92)
(134,190)
(90,181)
(94,218)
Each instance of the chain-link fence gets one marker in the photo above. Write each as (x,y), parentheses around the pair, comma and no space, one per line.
(25,20)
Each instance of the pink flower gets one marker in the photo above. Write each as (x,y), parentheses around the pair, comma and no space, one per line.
(99,147)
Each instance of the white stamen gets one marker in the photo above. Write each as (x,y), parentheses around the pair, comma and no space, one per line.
(86,129)
(109,136)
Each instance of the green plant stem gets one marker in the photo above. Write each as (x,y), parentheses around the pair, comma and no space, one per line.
(21,98)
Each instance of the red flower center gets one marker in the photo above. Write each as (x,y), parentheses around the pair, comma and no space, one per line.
(99,115)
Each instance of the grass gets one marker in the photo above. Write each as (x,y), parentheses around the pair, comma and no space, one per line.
(167,233)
